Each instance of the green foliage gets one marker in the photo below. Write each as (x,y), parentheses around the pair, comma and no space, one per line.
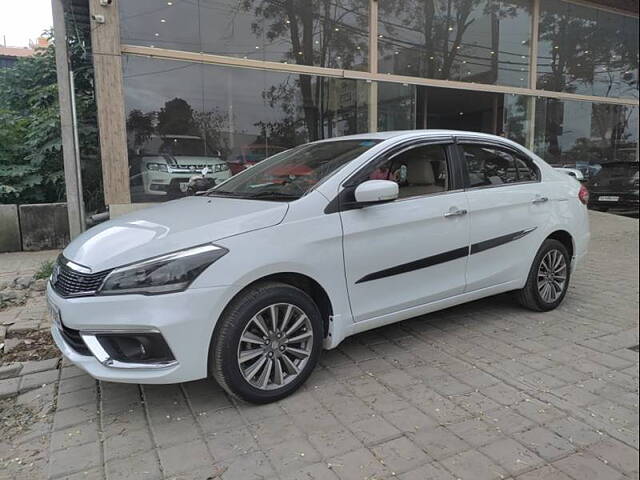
(45,270)
(31,164)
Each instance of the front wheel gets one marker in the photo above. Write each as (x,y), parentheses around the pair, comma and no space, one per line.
(267,343)
(548,278)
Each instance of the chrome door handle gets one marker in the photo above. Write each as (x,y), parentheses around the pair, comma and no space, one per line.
(456,213)
(541,200)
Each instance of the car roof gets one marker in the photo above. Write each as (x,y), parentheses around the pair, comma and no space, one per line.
(426,133)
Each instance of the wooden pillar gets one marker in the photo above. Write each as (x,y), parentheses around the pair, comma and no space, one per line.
(107,62)
(72,178)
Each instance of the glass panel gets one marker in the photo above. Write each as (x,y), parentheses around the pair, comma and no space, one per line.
(487,166)
(396,107)
(419,171)
(322,33)
(587,51)
(483,41)
(183,117)
(585,135)
(516,122)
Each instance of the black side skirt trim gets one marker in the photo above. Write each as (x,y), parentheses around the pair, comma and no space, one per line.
(496,242)
(417,264)
(446,256)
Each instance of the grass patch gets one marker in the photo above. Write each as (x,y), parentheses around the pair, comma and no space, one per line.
(45,270)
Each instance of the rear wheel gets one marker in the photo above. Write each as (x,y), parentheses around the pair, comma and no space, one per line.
(267,343)
(548,278)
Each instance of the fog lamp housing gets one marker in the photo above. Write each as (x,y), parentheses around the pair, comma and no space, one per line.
(130,350)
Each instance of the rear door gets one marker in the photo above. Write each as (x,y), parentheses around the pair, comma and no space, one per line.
(508,208)
(413,250)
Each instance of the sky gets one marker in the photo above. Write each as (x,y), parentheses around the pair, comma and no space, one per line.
(23,20)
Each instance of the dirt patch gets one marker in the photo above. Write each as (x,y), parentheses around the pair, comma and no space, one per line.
(16,418)
(34,345)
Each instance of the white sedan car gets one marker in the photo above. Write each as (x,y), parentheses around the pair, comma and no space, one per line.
(249,282)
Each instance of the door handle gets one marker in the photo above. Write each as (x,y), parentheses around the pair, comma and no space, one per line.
(540,200)
(455,213)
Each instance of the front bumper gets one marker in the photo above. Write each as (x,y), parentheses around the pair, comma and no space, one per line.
(186,321)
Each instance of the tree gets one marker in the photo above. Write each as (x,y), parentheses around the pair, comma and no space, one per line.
(324,33)
(31,164)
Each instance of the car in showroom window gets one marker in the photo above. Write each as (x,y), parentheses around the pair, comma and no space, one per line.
(166,163)
(250,280)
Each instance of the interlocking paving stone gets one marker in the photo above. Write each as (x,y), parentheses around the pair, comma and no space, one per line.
(400,455)
(512,456)
(74,459)
(580,467)
(184,457)
(141,466)
(360,463)
(463,393)
(473,465)
(431,471)
(545,443)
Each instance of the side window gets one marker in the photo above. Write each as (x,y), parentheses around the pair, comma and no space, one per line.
(487,165)
(527,171)
(418,171)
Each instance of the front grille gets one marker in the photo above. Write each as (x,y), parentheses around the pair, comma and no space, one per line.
(74,340)
(71,283)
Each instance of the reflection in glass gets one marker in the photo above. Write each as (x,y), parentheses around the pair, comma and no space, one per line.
(290,175)
(516,123)
(484,41)
(587,51)
(322,33)
(585,134)
(396,106)
(183,117)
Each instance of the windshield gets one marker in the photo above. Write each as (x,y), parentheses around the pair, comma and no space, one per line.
(178,146)
(291,174)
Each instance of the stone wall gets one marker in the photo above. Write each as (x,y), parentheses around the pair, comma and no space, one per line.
(33,227)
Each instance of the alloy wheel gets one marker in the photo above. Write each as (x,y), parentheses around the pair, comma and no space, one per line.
(275,346)
(552,276)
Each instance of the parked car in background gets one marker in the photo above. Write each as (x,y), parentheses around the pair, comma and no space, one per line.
(573,172)
(251,280)
(616,188)
(251,154)
(168,162)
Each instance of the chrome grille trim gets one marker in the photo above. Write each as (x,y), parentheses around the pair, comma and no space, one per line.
(72,280)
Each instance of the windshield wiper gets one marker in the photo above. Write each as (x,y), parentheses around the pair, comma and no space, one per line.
(222,193)
(273,195)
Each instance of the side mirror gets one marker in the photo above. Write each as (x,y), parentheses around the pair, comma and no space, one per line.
(376,191)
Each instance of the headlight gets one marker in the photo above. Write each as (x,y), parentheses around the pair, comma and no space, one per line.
(168,273)
(157,167)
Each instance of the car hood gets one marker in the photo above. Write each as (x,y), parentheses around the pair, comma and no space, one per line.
(169,227)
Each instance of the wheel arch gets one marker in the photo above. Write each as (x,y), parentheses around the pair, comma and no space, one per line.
(299,280)
(566,239)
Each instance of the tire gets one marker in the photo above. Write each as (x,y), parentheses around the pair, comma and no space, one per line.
(250,317)
(531,296)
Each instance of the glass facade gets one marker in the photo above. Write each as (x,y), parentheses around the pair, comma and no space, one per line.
(570,133)
(321,33)
(587,51)
(485,41)
(183,116)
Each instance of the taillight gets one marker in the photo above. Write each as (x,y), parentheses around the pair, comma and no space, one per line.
(583,194)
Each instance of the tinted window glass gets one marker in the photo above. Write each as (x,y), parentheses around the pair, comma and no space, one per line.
(527,171)
(419,171)
(489,166)
(289,175)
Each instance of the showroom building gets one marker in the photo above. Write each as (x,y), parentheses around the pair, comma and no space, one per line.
(233,81)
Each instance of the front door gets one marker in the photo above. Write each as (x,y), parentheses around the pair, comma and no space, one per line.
(411,251)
